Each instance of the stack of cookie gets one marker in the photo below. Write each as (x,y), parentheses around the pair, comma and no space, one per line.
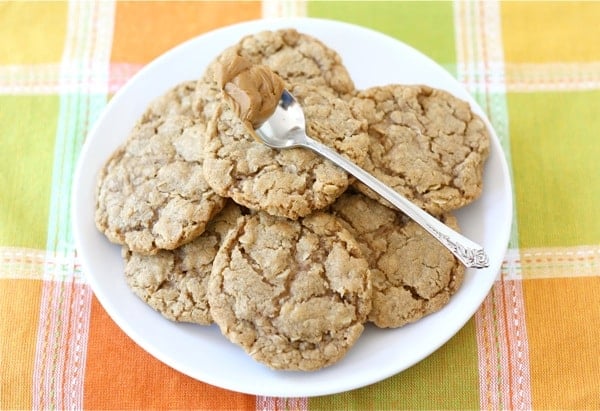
(283,250)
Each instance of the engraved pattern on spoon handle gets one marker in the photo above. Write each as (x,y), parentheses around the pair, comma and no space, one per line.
(468,252)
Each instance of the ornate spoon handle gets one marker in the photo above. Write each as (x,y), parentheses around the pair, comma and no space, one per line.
(469,253)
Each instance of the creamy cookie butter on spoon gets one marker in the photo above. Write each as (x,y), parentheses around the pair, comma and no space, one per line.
(275,118)
(251,90)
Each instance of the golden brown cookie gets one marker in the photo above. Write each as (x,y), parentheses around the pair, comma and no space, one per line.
(292,182)
(151,193)
(175,282)
(412,273)
(208,94)
(297,58)
(293,294)
(425,143)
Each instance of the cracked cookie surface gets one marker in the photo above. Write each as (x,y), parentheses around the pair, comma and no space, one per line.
(412,273)
(297,58)
(425,143)
(151,193)
(293,294)
(175,282)
(289,182)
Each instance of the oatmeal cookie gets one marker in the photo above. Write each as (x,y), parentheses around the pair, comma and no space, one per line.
(208,94)
(412,273)
(297,58)
(425,143)
(291,182)
(174,282)
(151,193)
(293,294)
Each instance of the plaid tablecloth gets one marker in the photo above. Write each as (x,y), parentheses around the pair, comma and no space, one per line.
(534,68)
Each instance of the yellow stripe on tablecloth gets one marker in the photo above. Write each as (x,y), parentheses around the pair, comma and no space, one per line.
(550,31)
(19,310)
(32,32)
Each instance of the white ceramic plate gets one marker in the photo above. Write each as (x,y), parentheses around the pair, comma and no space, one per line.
(202,352)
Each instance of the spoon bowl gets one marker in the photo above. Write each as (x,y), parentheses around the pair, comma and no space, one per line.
(286,128)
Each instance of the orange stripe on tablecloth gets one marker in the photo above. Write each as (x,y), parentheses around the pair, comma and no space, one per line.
(19,309)
(120,375)
(563,315)
(145,30)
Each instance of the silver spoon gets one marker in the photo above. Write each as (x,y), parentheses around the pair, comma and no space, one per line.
(286,128)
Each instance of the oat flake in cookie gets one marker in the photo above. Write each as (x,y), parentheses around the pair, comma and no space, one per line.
(292,182)
(293,294)
(412,274)
(151,193)
(425,143)
(175,282)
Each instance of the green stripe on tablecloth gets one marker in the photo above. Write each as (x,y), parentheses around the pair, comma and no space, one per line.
(448,379)
(77,114)
(26,161)
(434,35)
(556,171)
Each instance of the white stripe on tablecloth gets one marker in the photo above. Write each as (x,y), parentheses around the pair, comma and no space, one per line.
(278,403)
(504,375)
(66,299)
(288,8)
